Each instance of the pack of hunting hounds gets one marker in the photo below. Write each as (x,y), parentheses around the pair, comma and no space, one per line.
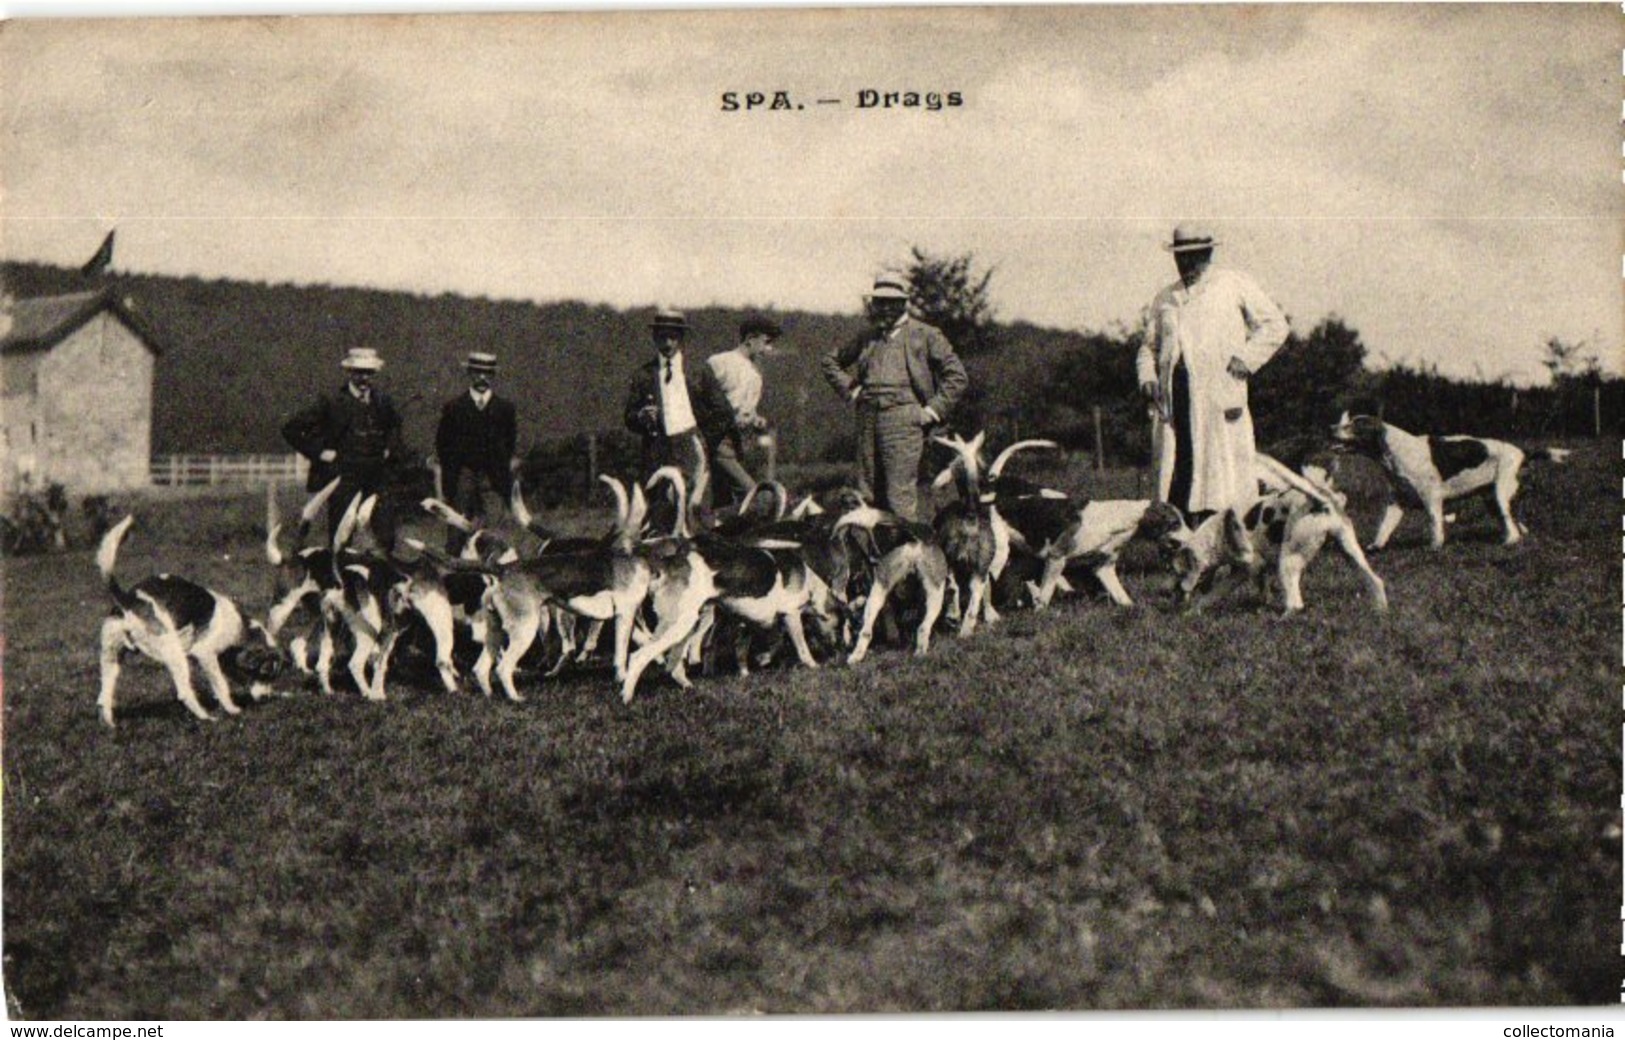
(753,576)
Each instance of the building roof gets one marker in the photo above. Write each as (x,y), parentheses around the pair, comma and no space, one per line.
(44,321)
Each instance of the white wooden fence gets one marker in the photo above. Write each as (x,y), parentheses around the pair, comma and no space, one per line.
(193,470)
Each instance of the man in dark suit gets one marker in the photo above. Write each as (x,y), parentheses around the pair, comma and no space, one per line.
(474,446)
(661,408)
(355,435)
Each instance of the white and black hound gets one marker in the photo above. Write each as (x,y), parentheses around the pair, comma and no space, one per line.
(896,549)
(176,621)
(1286,527)
(1430,471)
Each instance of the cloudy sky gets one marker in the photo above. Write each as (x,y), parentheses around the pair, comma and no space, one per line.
(1447,179)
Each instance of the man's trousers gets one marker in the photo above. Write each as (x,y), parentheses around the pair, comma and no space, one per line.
(890,443)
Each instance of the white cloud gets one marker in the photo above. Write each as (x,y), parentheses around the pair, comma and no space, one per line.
(1445,178)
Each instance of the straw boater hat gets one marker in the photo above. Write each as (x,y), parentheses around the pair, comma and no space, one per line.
(666,318)
(362,359)
(888,287)
(1191,237)
(481,362)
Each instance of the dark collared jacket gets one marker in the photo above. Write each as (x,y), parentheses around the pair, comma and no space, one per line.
(705,396)
(482,441)
(934,371)
(365,436)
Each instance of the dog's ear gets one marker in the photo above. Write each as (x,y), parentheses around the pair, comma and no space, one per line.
(1235,535)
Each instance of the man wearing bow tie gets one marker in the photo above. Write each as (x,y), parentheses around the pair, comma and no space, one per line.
(660,406)
(354,434)
(474,446)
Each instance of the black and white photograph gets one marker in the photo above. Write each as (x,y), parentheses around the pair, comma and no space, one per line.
(920,510)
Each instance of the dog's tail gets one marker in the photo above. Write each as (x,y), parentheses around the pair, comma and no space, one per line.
(445,560)
(107,560)
(447,515)
(1278,477)
(995,470)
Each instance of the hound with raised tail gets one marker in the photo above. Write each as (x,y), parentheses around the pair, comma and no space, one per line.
(896,549)
(175,622)
(975,532)
(1286,527)
(763,583)
(1093,533)
(1430,471)
(608,582)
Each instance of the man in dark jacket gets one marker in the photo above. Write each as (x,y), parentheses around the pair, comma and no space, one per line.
(661,408)
(355,435)
(905,378)
(474,446)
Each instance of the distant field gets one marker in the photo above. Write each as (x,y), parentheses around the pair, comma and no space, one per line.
(1087,808)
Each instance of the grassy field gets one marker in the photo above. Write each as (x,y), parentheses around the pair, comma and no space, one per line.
(1088,808)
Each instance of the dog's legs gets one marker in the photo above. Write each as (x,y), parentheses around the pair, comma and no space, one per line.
(436,611)
(973,605)
(218,684)
(1390,521)
(1290,570)
(935,592)
(171,653)
(1435,510)
(798,638)
(112,645)
(694,648)
(325,649)
(380,664)
(742,649)
(954,608)
(990,615)
(566,623)
(680,627)
(522,631)
(1506,486)
(364,650)
(871,610)
(589,642)
(1350,544)
(1107,573)
(1053,566)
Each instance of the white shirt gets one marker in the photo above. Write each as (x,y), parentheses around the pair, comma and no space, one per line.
(741,382)
(481,398)
(676,414)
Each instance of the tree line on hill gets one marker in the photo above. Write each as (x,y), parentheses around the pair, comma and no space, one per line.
(239,358)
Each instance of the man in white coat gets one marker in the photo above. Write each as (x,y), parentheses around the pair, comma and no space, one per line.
(1205,336)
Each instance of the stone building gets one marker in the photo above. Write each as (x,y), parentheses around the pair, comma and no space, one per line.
(76,375)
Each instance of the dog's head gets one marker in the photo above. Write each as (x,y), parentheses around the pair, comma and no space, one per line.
(257,658)
(1195,556)
(1160,521)
(1361,433)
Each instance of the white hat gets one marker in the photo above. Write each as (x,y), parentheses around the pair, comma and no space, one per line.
(481,362)
(888,287)
(1190,237)
(362,359)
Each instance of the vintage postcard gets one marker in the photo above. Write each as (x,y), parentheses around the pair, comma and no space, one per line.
(812,511)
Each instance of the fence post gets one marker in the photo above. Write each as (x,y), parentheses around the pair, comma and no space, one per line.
(1100,446)
(770,442)
(592,463)
(1596,411)
(174,470)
